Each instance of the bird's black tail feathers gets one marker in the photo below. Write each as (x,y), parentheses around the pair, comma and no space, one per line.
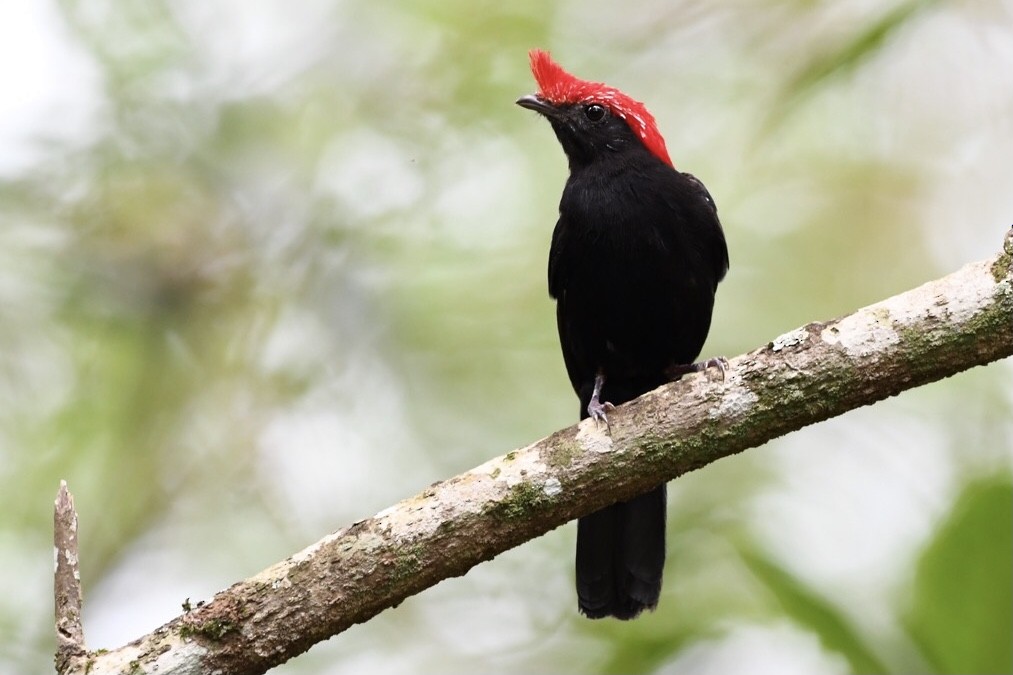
(621,557)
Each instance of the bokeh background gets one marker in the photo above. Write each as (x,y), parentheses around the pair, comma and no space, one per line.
(268,267)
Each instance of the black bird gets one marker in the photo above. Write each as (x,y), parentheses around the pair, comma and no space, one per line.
(636,258)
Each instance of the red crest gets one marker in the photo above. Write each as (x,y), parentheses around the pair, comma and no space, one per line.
(559,87)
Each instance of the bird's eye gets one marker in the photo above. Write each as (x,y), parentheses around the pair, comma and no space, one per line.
(594,112)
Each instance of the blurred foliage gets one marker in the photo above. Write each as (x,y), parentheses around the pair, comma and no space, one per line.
(294,270)
(961,615)
(843,59)
(808,609)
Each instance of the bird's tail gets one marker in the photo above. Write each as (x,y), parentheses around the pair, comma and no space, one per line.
(621,557)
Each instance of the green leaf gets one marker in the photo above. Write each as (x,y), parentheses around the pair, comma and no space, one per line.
(813,612)
(962,612)
(846,58)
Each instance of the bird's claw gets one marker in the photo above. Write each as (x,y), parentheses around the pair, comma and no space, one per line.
(597,412)
(678,370)
(719,362)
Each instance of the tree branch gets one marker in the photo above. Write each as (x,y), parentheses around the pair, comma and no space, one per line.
(808,375)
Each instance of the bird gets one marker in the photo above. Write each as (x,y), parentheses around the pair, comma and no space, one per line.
(635,260)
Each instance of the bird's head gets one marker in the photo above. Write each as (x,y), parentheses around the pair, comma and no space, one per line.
(590,119)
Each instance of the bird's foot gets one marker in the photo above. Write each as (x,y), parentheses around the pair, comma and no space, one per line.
(677,370)
(597,412)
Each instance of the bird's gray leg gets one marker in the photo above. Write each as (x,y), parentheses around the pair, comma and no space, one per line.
(595,408)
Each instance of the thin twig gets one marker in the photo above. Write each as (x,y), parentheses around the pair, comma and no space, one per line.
(67,581)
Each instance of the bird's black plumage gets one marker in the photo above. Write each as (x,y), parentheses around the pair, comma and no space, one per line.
(635,260)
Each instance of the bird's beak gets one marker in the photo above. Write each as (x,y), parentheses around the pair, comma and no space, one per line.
(538,104)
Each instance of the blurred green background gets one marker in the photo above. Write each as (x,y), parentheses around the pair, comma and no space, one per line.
(268,267)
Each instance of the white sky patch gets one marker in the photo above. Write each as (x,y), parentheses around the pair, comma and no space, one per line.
(483,195)
(253,47)
(51,89)
(370,174)
(858,496)
(949,111)
(781,649)
(335,455)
